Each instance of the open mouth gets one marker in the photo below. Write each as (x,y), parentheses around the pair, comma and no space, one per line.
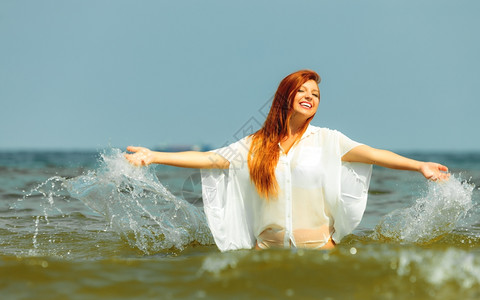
(306,104)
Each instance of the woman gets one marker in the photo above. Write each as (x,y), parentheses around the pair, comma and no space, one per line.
(290,184)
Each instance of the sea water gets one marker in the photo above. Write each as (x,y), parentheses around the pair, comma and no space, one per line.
(89,226)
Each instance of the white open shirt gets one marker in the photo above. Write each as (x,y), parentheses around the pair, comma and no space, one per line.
(316,189)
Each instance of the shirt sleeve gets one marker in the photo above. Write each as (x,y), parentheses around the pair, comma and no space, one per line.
(228,211)
(346,144)
(354,182)
(236,153)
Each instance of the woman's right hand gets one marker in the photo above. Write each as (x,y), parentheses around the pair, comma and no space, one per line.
(434,171)
(140,157)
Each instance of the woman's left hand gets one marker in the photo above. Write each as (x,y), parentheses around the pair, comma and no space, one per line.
(434,171)
(141,156)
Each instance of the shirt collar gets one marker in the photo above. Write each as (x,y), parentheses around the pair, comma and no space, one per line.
(310,130)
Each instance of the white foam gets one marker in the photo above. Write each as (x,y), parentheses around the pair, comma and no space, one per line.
(431,217)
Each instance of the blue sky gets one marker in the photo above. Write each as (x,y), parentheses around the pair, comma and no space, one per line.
(401,75)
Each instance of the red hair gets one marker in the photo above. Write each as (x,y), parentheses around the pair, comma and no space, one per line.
(264,151)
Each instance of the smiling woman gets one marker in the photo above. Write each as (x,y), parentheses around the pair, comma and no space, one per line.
(290,184)
(285,123)
(307,99)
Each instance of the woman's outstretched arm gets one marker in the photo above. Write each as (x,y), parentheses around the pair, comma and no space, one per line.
(190,159)
(388,159)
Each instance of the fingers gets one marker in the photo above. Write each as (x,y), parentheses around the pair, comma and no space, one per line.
(445,176)
(435,172)
(136,161)
(141,156)
(443,168)
(442,177)
(134,149)
(131,159)
(440,173)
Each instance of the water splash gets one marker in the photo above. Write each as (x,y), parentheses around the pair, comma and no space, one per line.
(138,206)
(431,217)
(43,203)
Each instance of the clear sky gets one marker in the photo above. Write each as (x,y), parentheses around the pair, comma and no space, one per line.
(401,75)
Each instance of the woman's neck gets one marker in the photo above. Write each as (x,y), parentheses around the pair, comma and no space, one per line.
(296,127)
(295,131)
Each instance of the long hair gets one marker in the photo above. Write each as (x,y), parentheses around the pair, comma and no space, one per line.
(264,151)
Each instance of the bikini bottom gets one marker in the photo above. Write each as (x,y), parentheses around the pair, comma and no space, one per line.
(304,238)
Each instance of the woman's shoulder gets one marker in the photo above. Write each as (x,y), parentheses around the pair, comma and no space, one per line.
(316,130)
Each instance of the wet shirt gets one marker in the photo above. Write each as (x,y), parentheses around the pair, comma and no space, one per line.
(320,197)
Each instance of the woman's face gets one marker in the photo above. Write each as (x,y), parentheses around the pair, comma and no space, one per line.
(307,99)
